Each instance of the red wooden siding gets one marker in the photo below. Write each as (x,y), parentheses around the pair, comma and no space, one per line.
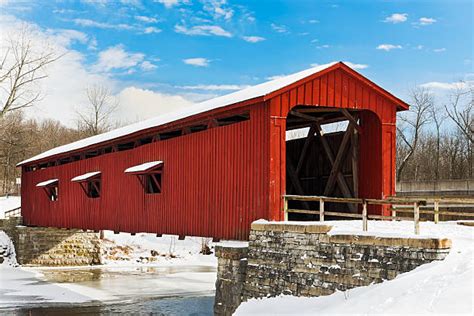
(216,182)
(213,185)
(338,88)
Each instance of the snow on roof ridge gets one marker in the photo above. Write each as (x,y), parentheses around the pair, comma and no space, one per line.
(259,90)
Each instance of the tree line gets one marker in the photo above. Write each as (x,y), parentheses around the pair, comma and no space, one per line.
(435,139)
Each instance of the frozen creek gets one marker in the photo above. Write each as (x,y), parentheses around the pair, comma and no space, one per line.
(160,290)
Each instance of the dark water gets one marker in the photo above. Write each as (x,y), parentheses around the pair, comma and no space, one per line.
(185,306)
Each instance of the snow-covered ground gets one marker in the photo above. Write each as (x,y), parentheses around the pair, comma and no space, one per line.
(119,249)
(443,287)
(8,203)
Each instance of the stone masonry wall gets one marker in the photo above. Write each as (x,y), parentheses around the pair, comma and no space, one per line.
(45,246)
(232,265)
(304,260)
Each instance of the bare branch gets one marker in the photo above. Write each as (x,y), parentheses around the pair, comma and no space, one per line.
(22,67)
(97,114)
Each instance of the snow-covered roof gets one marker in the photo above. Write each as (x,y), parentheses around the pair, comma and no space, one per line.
(143,167)
(256,91)
(85,176)
(47,182)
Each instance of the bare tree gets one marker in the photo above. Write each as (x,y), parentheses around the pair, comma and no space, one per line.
(438,118)
(96,117)
(414,120)
(22,66)
(461,109)
(461,112)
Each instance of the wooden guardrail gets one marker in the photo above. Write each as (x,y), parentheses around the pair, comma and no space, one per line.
(16,212)
(430,205)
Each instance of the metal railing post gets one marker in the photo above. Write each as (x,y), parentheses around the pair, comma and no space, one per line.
(321,210)
(416,217)
(436,212)
(364,216)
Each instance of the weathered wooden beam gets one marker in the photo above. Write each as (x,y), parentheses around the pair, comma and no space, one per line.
(352,120)
(341,154)
(305,116)
(302,124)
(355,163)
(319,110)
(340,178)
(307,143)
(186,130)
(291,172)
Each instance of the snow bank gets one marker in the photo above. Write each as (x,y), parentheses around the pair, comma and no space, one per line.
(147,248)
(442,287)
(8,203)
(7,250)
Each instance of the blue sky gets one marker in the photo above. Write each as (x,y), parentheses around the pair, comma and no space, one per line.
(197,49)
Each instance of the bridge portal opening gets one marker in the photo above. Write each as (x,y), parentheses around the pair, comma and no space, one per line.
(322,157)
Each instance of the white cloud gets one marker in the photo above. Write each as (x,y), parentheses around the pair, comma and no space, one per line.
(388,47)
(253,39)
(147,66)
(313,21)
(279,28)
(203,30)
(151,29)
(169,3)
(95,2)
(396,18)
(136,3)
(215,87)
(198,62)
(146,19)
(439,50)
(323,46)
(116,57)
(101,25)
(67,37)
(426,21)
(218,9)
(419,47)
(436,85)
(144,103)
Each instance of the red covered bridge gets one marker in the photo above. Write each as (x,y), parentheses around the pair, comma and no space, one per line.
(214,168)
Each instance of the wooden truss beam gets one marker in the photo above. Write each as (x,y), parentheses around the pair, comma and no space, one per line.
(338,162)
(306,146)
(352,120)
(341,181)
(291,171)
